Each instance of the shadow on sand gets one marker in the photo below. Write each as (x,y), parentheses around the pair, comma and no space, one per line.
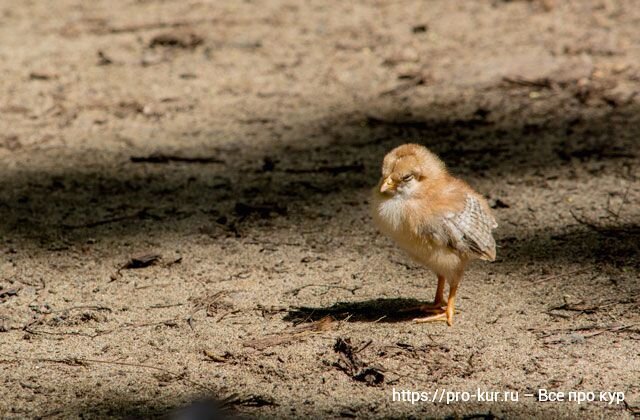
(125,197)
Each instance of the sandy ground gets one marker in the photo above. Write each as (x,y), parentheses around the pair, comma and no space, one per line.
(234,143)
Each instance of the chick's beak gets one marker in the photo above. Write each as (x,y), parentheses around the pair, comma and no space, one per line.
(387,185)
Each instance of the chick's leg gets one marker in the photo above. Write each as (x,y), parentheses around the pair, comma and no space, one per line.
(446,314)
(439,301)
(437,304)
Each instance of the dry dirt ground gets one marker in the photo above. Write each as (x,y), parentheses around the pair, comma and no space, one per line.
(184,205)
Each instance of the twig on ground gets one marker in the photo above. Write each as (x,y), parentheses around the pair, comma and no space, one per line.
(141,214)
(292,334)
(521,81)
(79,361)
(404,86)
(584,221)
(334,170)
(297,290)
(610,231)
(153,25)
(168,322)
(165,158)
(250,401)
(224,315)
(599,329)
(163,306)
(575,337)
(556,276)
(38,287)
(351,364)
(268,312)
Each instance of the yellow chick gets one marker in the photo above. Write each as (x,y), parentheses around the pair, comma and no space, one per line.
(436,218)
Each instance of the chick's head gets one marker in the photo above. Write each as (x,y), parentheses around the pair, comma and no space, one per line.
(408,167)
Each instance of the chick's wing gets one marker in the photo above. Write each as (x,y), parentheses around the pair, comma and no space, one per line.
(469,230)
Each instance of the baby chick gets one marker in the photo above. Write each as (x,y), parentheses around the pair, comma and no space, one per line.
(436,218)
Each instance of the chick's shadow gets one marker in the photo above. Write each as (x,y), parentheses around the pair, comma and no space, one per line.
(389,310)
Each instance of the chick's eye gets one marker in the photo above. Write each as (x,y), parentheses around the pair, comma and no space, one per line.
(407,178)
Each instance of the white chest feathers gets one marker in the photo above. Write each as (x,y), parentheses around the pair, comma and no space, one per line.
(392,211)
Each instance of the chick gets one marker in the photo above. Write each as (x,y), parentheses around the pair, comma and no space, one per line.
(436,218)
